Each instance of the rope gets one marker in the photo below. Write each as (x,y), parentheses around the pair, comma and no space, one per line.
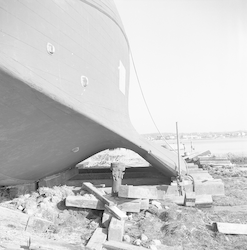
(144,99)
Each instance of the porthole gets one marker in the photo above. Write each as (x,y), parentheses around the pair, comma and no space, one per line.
(50,48)
(84,81)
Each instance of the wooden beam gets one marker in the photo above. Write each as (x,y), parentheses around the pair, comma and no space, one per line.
(97,193)
(98,238)
(148,192)
(115,211)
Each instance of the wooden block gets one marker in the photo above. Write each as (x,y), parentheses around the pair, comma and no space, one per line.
(115,245)
(204,201)
(98,238)
(97,193)
(213,187)
(84,201)
(116,229)
(115,211)
(190,199)
(179,200)
(129,205)
(58,179)
(144,204)
(230,228)
(106,218)
(148,192)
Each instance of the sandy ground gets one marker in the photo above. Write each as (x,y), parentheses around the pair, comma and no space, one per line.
(171,224)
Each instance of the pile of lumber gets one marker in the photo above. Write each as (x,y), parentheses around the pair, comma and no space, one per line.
(134,199)
(111,233)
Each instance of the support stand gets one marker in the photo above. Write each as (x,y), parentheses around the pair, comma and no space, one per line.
(117,176)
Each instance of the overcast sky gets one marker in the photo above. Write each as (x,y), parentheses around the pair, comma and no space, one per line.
(191,58)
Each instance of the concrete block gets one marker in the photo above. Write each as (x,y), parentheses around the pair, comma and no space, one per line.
(116,229)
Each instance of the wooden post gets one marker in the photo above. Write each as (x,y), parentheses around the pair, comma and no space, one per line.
(117,176)
(179,169)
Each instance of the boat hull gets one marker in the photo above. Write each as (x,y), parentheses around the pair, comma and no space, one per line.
(64,80)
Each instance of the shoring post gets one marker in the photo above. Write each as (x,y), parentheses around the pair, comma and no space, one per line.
(117,176)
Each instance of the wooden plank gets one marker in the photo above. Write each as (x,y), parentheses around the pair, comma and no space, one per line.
(230,228)
(90,201)
(85,201)
(97,193)
(98,238)
(115,211)
(148,192)
(115,245)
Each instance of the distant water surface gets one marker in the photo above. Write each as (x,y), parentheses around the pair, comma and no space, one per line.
(236,146)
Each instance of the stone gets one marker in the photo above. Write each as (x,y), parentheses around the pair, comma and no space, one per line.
(144,237)
(156,242)
(126,238)
(137,242)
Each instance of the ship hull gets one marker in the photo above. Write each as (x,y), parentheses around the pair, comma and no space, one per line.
(64,79)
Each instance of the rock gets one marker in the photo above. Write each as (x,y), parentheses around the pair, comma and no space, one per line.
(144,237)
(27,196)
(156,204)
(156,242)
(153,247)
(148,214)
(20,207)
(126,238)
(137,242)
(130,216)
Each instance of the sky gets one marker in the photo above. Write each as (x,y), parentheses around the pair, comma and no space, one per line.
(191,60)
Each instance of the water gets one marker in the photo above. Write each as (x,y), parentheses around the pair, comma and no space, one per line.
(218,146)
